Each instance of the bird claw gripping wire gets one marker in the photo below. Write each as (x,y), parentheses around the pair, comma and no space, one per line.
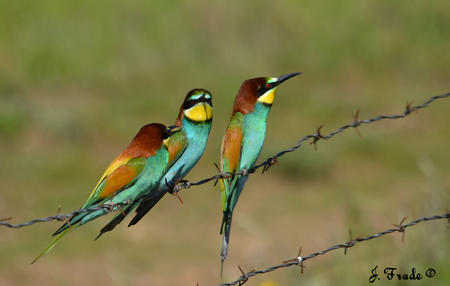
(243,172)
(172,188)
(181,184)
(112,207)
(224,175)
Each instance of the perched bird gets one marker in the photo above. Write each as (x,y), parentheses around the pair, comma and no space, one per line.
(186,146)
(243,140)
(134,172)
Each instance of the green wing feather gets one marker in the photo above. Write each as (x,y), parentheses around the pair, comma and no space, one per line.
(123,175)
(231,153)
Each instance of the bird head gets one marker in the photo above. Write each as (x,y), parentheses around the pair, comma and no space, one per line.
(197,107)
(260,89)
(152,136)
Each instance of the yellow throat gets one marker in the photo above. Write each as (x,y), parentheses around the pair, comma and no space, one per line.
(199,112)
(268,97)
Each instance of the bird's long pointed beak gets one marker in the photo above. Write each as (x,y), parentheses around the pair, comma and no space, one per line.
(286,77)
(174,128)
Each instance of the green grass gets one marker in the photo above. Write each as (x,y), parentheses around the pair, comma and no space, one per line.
(77,80)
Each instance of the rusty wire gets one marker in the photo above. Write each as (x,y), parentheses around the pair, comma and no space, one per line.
(184,184)
(299,260)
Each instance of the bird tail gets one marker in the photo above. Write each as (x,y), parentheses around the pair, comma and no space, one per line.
(145,206)
(116,220)
(225,231)
(54,242)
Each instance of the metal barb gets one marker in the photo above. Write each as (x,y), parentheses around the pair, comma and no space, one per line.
(349,243)
(270,162)
(316,137)
(300,259)
(245,279)
(401,228)
(356,122)
(409,109)
(67,220)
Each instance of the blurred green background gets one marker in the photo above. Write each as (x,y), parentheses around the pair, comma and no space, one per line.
(78,78)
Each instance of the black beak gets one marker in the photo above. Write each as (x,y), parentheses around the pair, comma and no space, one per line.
(286,77)
(172,129)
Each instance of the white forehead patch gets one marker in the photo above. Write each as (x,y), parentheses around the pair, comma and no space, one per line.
(197,96)
(272,79)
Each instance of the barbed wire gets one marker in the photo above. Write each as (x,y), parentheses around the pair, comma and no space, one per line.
(299,260)
(269,162)
(316,137)
(107,207)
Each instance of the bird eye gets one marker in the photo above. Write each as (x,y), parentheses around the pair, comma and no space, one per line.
(166,133)
(268,85)
(188,104)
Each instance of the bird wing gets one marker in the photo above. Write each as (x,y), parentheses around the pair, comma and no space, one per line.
(119,174)
(231,153)
(176,147)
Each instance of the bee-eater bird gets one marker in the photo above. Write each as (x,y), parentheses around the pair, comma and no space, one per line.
(136,170)
(185,149)
(242,142)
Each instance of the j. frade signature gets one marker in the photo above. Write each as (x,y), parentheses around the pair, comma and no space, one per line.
(392,273)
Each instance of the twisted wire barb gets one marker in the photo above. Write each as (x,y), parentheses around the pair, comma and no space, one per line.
(224,175)
(298,261)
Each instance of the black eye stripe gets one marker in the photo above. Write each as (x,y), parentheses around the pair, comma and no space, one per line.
(166,134)
(188,104)
(262,90)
